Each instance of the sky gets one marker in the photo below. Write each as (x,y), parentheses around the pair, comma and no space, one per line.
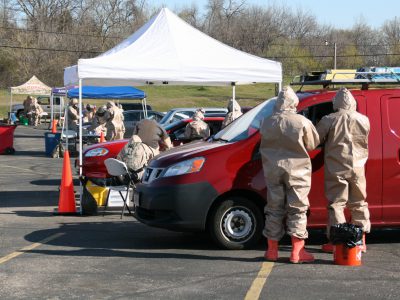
(341,14)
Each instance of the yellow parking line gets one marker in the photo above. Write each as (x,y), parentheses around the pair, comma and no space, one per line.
(30,247)
(258,283)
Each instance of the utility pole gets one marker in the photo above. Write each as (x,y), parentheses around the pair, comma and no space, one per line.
(334,56)
(334,53)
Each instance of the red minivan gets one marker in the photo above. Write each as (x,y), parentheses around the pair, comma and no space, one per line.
(218,185)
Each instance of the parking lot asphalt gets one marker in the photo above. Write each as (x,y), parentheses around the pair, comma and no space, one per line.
(47,256)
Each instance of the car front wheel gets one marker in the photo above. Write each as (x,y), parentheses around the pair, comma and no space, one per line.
(236,223)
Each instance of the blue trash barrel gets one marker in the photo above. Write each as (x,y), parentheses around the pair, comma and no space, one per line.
(51,140)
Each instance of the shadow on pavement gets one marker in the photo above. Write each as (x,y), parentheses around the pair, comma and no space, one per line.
(30,153)
(49,182)
(28,198)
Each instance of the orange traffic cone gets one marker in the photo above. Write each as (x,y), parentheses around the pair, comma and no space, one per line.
(102,139)
(54,126)
(66,202)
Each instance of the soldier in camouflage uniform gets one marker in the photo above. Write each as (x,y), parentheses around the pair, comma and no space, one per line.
(234,112)
(197,129)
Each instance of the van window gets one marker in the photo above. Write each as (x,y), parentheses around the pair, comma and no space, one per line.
(393,106)
(44,100)
(315,112)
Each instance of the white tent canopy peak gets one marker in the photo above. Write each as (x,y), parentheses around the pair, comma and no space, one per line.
(168,50)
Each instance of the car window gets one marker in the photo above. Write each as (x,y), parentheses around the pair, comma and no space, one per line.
(132,116)
(44,101)
(315,112)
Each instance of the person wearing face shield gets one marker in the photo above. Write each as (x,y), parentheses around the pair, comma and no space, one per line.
(115,123)
(99,121)
(234,112)
(73,114)
(153,135)
(344,134)
(197,129)
(286,138)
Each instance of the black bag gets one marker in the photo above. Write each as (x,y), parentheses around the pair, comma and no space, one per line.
(345,233)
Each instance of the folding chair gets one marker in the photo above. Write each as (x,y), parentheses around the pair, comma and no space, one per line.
(118,168)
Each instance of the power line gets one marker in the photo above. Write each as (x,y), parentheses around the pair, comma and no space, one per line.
(61,33)
(49,49)
(330,56)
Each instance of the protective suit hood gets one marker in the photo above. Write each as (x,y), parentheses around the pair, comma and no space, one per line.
(233,106)
(136,139)
(344,100)
(198,115)
(287,100)
(110,104)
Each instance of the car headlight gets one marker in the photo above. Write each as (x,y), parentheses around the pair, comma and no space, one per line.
(96,152)
(185,167)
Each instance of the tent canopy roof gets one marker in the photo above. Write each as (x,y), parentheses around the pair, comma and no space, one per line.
(32,87)
(107,92)
(167,50)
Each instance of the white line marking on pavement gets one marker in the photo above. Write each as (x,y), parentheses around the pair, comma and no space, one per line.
(255,290)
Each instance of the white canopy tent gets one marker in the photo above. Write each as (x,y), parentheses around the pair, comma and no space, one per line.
(167,50)
(32,87)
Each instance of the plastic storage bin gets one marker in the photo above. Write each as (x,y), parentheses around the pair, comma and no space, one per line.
(7,139)
(51,140)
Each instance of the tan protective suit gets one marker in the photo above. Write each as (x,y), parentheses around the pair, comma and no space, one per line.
(73,115)
(234,112)
(35,111)
(197,129)
(286,138)
(136,155)
(115,123)
(153,135)
(345,134)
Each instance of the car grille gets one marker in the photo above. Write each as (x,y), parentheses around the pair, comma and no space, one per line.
(151,174)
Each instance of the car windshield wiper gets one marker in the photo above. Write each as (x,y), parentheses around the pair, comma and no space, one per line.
(219,139)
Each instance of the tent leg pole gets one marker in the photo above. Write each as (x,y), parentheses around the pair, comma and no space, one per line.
(80,146)
(233,91)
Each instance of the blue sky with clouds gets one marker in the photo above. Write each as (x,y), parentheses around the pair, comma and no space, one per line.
(338,13)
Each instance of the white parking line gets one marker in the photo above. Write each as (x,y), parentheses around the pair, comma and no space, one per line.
(258,283)
(30,247)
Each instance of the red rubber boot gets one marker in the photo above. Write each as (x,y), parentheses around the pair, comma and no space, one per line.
(299,253)
(328,248)
(271,254)
(364,245)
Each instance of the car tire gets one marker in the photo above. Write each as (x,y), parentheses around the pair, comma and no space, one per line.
(236,223)
(10,150)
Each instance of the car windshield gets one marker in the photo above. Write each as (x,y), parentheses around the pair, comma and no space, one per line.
(247,124)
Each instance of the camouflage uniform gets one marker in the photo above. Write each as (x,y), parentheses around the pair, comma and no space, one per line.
(115,122)
(197,129)
(234,112)
(35,111)
(153,135)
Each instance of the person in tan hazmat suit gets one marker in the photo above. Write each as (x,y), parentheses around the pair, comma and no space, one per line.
(115,123)
(234,112)
(197,129)
(286,138)
(344,134)
(73,114)
(136,156)
(35,111)
(153,135)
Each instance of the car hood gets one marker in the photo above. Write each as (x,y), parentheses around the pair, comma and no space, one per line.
(106,144)
(186,151)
